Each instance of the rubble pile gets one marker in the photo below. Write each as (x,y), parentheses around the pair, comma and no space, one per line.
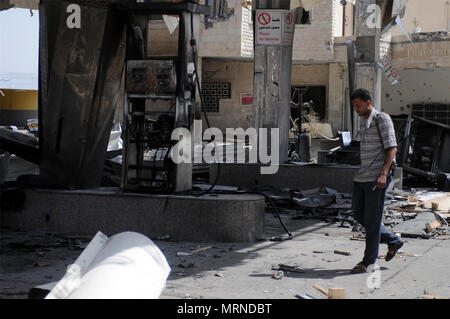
(415,213)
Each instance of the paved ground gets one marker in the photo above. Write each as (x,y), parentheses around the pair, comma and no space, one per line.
(245,270)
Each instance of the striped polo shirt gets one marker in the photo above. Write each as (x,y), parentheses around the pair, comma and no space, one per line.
(373,143)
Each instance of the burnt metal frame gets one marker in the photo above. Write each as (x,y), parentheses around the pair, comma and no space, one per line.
(179,176)
(438,154)
(79,79)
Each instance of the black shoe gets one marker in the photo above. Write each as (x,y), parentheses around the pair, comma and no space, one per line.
(359,268)
(392,250)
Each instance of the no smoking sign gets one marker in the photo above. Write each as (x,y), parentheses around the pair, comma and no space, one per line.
(274,27)
(264,18)
(390,71)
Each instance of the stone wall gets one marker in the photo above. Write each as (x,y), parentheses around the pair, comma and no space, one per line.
(416,86)
(224,39)
(240,75)
(421,53)
(314,42)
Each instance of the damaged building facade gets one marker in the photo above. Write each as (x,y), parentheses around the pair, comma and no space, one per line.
(320,63)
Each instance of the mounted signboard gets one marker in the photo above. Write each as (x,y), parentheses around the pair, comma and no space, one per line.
(274,27)
(390,71)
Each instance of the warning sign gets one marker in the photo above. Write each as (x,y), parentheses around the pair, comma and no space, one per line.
(289,22)
(389,71)
(264,18)
(289,27)
(274,27)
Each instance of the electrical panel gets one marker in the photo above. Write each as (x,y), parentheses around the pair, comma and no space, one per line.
(151,77)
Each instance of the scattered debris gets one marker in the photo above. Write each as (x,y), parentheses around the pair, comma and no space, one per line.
(75,244)
(278,275)
(336,293)
(305,296)
(333,260)
(332,293)
(320,290)
(41,264)
(182,253)
(165,237)
(316,200)
(442,237)
(336,234)
(178,273)
(416,227)
(357,238)
(287,268)
(432,297)
(430,36)
(406,211)
(200,249)
(218,275)
(345,253)
(432,226)
(422,236)
(186,265)
(400,255)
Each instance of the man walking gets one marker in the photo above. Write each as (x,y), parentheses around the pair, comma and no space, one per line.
(378,148)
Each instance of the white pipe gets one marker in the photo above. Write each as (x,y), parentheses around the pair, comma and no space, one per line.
(126,266)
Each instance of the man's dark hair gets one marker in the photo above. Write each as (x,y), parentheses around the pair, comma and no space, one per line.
(362,94)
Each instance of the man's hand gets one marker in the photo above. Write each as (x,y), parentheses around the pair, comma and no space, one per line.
(381,181)
(389,155)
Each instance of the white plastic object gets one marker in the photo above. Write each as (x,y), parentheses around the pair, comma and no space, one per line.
(127,265)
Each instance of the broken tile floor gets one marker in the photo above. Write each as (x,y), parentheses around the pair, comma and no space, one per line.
(247,270)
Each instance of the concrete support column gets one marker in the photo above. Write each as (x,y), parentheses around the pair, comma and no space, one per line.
(272,91)
(368,29)
(335,96)
(272,82)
